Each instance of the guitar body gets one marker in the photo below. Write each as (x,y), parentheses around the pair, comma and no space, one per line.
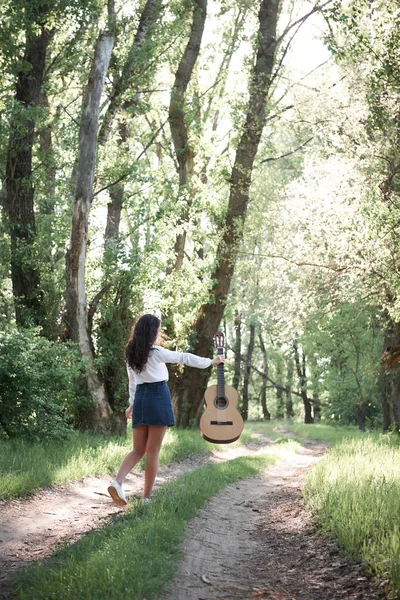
(221,425)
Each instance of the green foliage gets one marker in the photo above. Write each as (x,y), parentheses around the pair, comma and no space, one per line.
(318,241)
(37,384)
(347,345)
(21,18)
(113,328)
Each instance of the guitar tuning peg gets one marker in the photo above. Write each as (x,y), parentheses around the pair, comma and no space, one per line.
(219,339)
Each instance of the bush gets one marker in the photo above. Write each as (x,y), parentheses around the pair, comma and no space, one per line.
(37,384)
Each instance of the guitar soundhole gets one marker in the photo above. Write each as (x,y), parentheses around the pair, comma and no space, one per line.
(221,403)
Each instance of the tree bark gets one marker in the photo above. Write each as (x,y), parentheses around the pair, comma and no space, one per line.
(221,79)
(114,211)
(396,406)
(266,413)
(390,396)
(131,78)
(280,405)
(247,373)
(178,126)
(289,401)
(100,414)
(316,404)
(19,200)
(386,395)
(301,374)
(130,70)
(237,350)
(188,389)
(47,157)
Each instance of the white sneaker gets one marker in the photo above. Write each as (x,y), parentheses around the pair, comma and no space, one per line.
(117,494)
(145,500)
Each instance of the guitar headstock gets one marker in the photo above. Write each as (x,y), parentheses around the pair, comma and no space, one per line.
(219,339)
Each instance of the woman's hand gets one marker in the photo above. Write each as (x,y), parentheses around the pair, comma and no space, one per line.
(218,360)
(128,412)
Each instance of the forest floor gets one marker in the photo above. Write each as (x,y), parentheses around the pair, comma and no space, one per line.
(253,540)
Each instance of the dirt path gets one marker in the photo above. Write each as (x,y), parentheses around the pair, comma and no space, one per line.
(254,540)
(32,527)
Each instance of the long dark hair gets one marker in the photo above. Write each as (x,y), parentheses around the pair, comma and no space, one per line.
(143,336)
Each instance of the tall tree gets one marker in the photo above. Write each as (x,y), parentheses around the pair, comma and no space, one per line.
(99,417)
(178,124)
(114,299)
(188,390)
(237,349)
(289,384)
(19,199)
(300,362)
(265,370)
(247,373)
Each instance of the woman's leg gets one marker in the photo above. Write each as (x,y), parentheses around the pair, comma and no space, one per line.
(154,440)
(140,436)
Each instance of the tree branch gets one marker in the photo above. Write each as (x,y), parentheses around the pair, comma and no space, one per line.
(287,153)
(274,384)
(301,264)
(301,20)
(106,187)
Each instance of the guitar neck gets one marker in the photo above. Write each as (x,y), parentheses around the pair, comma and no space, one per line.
(221,377)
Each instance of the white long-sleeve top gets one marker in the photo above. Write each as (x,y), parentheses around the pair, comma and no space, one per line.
(155,369)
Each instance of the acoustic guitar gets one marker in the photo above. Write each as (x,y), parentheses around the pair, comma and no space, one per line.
(221,422)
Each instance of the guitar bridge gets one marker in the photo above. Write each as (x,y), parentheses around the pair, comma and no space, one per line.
(221,422)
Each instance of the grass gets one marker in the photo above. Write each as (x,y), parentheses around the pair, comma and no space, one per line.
(354,493)
(317,431)
(281,431)
(139,554)
(28,466)
(332,434)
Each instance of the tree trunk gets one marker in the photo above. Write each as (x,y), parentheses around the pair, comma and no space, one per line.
(396,406)
(116,322)
(247,373)
(180,136)
(237,350)
(359,415)
(265,411)
(280,406)
(316,404)
(386,396)
(218,89)
(130,71)
(47,157)
(188,388)
(114,210)
(301,374)
(390,396)
(99,416)
(19,200)
(289,401)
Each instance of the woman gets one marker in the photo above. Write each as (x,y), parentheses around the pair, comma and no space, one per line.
(150,401)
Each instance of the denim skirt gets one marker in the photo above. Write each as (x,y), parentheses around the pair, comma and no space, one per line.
(152,405)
